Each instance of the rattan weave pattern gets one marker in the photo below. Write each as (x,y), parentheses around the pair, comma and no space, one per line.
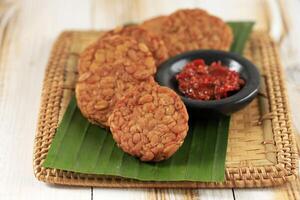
(261,149)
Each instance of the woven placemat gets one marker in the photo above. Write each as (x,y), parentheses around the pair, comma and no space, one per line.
(261,149)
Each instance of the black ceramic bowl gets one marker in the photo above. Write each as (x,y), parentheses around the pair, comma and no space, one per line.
(166,73)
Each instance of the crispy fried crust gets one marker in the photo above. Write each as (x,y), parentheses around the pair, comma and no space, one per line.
(150,122)
(154,24)
(191,29)
(108,70)
(155,43)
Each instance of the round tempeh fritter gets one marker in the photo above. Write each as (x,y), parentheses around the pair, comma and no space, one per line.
(150,122)
(153,42)
(191,29)
(108,70)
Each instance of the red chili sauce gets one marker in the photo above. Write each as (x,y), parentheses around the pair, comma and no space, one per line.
(200,81)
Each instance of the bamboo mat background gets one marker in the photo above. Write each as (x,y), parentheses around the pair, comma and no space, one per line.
(261,149)
(28,29)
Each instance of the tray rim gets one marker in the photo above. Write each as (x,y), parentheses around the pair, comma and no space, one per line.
(237,177)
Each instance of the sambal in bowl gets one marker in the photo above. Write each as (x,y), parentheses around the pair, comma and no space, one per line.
(211,80)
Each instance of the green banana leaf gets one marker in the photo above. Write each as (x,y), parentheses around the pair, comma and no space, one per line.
(79,146)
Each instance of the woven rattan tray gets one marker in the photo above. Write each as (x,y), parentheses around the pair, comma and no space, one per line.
(261,150)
